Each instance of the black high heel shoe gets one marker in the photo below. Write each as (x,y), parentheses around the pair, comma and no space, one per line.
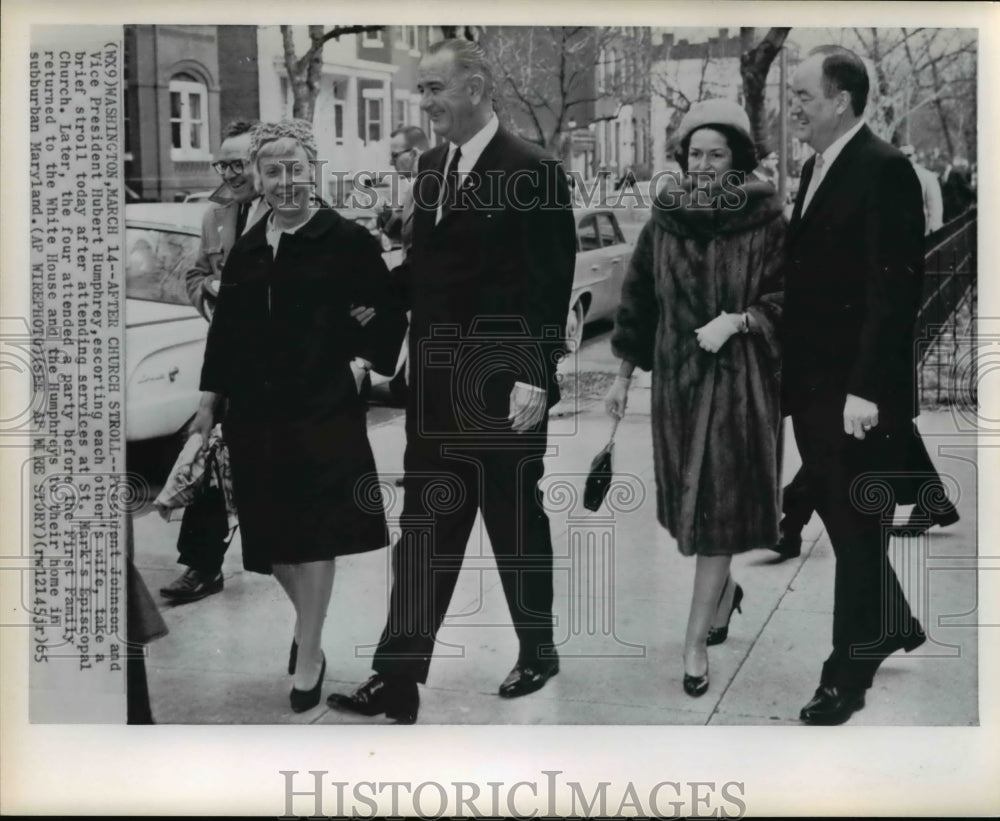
(293,657)
(717,635)
(696,686)
(302,700)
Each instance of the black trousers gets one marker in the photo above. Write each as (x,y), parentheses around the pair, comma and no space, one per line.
(921,479)
(445,486)
(204,536)
(847,478)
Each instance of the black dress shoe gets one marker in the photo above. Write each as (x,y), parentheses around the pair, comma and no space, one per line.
(832,705)
(921,521)
(528,677)
(302,700)
(395,696)
(192,585)
(789,545)
(293,657)
(717,635)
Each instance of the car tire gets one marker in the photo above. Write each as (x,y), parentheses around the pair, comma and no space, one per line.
(574,327)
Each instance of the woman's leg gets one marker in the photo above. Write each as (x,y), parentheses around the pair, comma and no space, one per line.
(710,577)
(286,578)
(313,583)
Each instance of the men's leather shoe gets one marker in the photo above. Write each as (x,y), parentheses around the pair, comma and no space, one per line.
(832,705)
(789,545)
(528,677)
(192,585)
(921,521)
(395,696)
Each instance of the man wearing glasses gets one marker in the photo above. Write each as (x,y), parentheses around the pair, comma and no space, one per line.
(405,147)
(237,206)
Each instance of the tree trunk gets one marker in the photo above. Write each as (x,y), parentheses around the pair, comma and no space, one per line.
(755,62)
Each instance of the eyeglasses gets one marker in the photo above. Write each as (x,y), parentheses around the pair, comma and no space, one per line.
(236,166)
(393,155)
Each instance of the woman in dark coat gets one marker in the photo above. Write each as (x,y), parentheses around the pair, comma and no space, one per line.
(700,304)
(282,352)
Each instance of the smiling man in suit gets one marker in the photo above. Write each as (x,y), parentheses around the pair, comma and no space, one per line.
(853,278)
(236,206)
(487,281)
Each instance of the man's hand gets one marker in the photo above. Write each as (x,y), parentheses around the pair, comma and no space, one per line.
(716,333)
(860,416)
(616,399)
(527,407)
(362,314)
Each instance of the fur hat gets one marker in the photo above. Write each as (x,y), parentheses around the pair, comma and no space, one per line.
(714,112)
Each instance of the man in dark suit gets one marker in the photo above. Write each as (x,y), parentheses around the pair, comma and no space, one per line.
(853,277)
(204,535)
(487,281)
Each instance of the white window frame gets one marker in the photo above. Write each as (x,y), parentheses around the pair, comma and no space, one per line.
(373,38)
(368,95)
(185,151)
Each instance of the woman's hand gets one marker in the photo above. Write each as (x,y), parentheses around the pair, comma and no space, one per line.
(715,334)
(202,424)
(360,368)
(616,398)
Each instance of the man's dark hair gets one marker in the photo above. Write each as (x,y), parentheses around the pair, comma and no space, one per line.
(415,137)
(843,70)
(237,127)
(744,152)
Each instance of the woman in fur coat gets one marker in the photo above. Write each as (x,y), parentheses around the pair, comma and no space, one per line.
(700,307)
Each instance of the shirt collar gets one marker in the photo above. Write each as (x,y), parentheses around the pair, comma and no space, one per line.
(273,233)
(833,149)
(475,145)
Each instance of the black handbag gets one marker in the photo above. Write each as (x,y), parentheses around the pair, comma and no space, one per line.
(599,478)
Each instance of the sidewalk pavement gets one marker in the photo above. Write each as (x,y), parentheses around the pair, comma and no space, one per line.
(621,604)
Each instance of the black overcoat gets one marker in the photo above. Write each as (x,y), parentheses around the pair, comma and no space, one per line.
(279,349)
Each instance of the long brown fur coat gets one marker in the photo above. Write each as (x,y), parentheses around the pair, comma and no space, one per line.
(716,416)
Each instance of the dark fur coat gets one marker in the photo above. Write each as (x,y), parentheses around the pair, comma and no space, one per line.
(716,416)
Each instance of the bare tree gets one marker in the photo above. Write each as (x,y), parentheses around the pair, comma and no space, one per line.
(545,76)
(755,63)
(305,72)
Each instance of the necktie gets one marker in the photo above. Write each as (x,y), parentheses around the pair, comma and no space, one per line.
(450,187)
(814,182)
(241,218)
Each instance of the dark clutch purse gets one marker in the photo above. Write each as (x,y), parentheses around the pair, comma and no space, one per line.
(601,473)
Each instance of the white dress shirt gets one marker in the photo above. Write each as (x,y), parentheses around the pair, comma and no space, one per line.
(832,152)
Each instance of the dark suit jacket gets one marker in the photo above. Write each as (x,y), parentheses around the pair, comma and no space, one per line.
(853,277)
(488,287)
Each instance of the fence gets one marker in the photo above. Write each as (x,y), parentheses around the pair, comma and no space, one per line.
(946,321)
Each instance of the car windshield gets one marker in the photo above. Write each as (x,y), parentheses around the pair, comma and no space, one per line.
(156,263)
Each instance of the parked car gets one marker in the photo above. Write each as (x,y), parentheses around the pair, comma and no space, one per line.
(602,258)
(164,333)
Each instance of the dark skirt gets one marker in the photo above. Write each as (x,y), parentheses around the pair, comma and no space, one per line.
(305,490)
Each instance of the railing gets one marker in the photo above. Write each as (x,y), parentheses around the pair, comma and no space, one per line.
(946,320)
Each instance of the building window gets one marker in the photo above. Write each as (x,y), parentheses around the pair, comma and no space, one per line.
(601,71)
(189,137)
(373,119)
(372,38)
(407,37)
(399,112)
(338,122)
